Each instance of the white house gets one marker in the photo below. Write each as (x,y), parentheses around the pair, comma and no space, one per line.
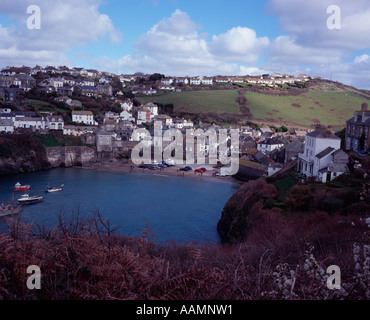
(152,107)
(195,81)
(55,122)
(128,105)
(126,116)
(6,126)
(207,80)
(29,122)
(322,156)
(86,117)
(144,115)
(268,145)
(165,119)
(56,82)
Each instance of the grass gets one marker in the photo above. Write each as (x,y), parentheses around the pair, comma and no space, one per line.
(324,107)
(283,186)
(219,101)
(47,140)
(57,140)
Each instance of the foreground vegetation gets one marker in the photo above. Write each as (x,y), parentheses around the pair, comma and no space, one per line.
(282,258)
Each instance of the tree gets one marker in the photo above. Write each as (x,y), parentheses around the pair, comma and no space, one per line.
(156,77)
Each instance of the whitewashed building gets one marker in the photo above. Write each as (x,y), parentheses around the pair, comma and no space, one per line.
(268,145)
(55,122)
(322,157)
(6,126)
(35,123)
(86,117)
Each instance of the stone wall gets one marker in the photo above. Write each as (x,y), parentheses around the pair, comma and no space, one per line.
(70,156)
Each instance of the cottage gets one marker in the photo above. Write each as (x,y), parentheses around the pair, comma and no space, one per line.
(77,131)
(105,90)
(55,122)
(34,123)
(164,119)
(88,91)
(268,145)
(6,126)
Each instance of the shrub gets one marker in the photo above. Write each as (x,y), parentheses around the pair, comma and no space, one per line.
(300,198)
(332,204)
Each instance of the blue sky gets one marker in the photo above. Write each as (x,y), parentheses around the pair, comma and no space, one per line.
(188,37)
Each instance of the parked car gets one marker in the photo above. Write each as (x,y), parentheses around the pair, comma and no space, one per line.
(187,168)
(201,170)
(143,166)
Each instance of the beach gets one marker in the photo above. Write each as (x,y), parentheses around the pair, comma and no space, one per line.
(121,167)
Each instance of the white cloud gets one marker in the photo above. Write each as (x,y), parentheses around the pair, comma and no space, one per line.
(309,44)
(64,25)
(239,44)
(175,46)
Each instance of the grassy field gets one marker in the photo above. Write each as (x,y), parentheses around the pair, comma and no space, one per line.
(326,104)
(220,101)
(324,107)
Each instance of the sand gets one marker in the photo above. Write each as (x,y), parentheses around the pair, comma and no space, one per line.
(120,167)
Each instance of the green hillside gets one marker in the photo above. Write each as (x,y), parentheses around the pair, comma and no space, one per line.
(219,101)
(313,107)
(325,103)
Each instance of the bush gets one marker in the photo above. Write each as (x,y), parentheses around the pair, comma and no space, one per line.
(332,204)
(300,198)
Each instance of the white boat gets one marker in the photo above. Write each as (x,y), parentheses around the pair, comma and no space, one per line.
(54,189)
(27,199)
(8,209)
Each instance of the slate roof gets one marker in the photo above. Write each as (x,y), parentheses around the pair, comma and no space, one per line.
(319,133)
(325,152)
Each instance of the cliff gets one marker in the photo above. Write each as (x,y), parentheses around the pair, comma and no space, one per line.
(237,214)
(21,153)
(70,156)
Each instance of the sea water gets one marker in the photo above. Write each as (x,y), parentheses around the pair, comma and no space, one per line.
(176,208)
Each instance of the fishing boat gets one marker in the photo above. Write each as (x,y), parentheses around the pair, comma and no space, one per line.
(8,209)
(27,199)
(54,189)
(19,187)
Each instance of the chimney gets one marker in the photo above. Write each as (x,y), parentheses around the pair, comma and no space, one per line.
(328,133)
(364,107)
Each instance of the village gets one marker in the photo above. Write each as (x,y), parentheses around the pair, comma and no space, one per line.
(262,151)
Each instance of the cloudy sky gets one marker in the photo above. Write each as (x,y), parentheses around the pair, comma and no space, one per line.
(188,37)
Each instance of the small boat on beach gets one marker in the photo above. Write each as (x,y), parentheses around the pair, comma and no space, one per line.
(54,189)
(27,199)
(19,187)
(8,209)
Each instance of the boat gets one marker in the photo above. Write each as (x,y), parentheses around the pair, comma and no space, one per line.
(54,189)
(8,209)
(27,199)
(19,187)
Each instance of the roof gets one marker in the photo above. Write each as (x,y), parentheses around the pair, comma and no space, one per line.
(252,164)
(82,113)
(325,134)
(325,152)
(6,122)
(272,141)
(103,133)
(338,167)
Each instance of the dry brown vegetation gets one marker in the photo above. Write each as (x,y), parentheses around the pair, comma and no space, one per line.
(282,258)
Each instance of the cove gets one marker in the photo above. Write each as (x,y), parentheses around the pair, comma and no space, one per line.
(177,208)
